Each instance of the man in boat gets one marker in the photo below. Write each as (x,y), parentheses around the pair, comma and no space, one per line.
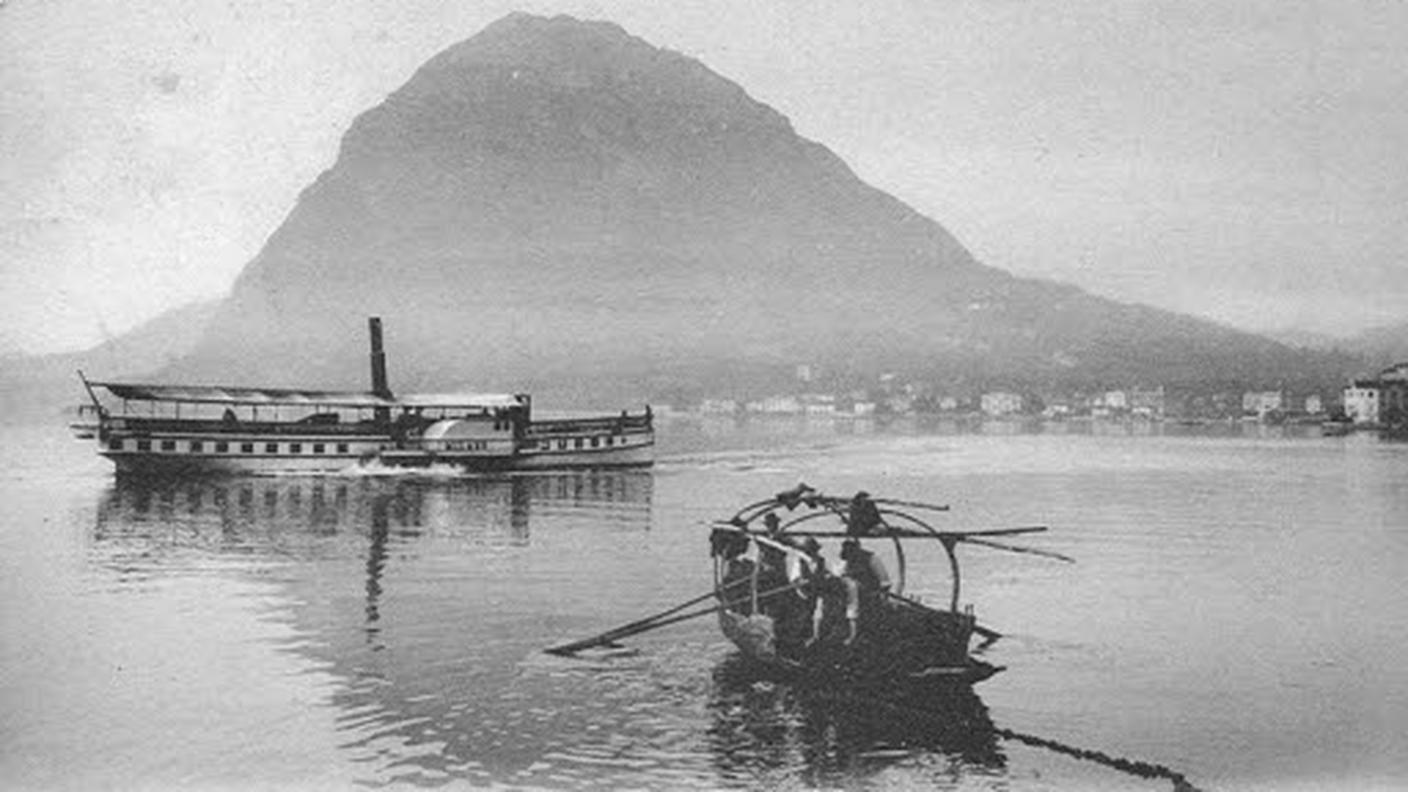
(738,570)
(832,622)
(780,564)
(863,517)
(867,584)
(773,553)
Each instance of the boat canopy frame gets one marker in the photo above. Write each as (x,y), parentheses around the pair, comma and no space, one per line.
(900,511)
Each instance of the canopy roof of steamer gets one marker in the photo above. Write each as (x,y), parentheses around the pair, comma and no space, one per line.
(216,394)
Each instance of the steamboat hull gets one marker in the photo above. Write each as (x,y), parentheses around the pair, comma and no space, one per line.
(135,452)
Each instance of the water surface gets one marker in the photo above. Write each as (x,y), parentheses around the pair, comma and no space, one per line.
(1238,614)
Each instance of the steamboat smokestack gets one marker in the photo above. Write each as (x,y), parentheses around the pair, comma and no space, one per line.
(379,386)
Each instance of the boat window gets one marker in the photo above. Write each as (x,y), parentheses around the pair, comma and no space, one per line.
(295,448)
(168,445)
(222,447)
(577,443)
(115,444)
(144,445)
(197,446)
(271,448)
(561,445)
(247,448)
(341,448)
(318,448)
(596,442)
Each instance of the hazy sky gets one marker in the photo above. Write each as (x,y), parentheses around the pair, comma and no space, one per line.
(1243,161)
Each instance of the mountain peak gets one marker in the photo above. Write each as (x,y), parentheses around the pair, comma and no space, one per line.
(560,56)
(555,200)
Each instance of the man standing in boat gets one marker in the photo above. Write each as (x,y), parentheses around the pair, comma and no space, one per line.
(867,585)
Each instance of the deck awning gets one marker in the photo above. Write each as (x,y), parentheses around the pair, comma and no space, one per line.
(212,394)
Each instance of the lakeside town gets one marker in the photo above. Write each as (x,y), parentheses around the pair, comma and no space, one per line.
(1376,402)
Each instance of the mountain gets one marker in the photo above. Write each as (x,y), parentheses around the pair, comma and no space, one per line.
(1381,346)
(40,387)
(559,206)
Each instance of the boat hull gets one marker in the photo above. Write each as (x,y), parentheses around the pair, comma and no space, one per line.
(198,450)
(862,665)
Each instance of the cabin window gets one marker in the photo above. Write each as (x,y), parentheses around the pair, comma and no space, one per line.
(115,444)
(246,448)
(341,448)
(197,446)
(271,448)
(319,448)
(222,447)
(144,445)
(295,448)
(596,441)
(168,445)
(577,443)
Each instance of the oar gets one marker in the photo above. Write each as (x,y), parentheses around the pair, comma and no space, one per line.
(656,621)
(988,635)
(1015,548)
(630,628)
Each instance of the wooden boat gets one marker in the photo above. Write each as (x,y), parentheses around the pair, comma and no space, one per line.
(783,607)
(184,429)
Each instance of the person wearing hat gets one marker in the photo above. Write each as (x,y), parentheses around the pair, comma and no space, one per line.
(863,517)
(827,594)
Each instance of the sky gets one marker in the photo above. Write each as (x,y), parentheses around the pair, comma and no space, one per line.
(1236,160)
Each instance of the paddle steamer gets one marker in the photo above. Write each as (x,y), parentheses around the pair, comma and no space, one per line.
(181,429)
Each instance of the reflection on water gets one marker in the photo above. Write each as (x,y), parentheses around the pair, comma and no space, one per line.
(271,513)
(760,727)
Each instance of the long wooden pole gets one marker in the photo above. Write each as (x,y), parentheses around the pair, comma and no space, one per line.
(656,620)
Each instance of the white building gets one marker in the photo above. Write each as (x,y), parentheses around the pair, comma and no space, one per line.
(1259,403)
(718,406)
(776,405)
(1314,405)
(1001,403)
(1383,399)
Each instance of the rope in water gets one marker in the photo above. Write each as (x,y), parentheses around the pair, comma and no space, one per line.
(1135,767)
(1132,766)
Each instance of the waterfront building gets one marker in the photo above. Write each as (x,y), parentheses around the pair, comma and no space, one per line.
(1115,400)
(1378,400)
(1263,403)
(1314,405)
(1147,402)
(718,406)
(776,405)
(1000,403)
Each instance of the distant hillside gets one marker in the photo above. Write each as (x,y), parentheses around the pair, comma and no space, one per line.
(558,206)
(1382,346)
(43,387)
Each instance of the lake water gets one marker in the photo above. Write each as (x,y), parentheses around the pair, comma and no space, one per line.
(1237,615)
